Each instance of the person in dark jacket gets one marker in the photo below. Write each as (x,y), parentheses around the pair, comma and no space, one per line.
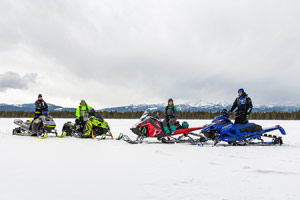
(170,117)
(244,106)
(40,106)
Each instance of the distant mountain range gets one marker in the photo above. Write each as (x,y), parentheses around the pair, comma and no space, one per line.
(30,107)
(194,108)
(153,107)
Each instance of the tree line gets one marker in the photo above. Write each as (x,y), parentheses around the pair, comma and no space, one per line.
(181,115)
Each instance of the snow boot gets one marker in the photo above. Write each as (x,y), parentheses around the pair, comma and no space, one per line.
(173,130)
(167,130)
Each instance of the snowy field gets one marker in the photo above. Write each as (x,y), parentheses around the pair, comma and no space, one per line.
(71,168)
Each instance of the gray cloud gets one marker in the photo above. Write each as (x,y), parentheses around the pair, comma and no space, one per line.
(189,50)
(12,80)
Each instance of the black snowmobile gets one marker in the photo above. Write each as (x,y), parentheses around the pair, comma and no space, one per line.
(46,125)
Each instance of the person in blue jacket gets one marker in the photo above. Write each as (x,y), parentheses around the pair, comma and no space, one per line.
(170,117)
(244,106)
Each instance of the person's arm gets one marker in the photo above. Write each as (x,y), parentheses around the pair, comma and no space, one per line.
(37,105)
(45,105)
(166,112)
(250,105)
(175,112)
(78,112)
(233,106)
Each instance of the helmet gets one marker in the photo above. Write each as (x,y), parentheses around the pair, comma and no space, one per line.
(224,113)
(241,90)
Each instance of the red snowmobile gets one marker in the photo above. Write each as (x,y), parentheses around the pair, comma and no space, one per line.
(152,127)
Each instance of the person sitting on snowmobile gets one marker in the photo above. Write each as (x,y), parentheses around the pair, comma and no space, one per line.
(170,117)
(41,107)
(82,113)
(244,107)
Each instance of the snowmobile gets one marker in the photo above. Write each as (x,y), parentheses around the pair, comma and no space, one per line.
(46,126)
(223,130)
(95,126)
(151,127)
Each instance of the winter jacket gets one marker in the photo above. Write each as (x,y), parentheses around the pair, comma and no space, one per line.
(83,111)
(243,104)
(40,106)
(171,112)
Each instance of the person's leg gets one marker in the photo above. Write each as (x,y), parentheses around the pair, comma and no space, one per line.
(87,130)
(166,128)
(244,119)
(241,119)
(35,127)
(237,119)
(172,125)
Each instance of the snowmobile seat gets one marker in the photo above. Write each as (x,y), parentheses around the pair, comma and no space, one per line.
(250,127)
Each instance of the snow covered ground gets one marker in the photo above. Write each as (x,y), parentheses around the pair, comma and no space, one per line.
(70,168)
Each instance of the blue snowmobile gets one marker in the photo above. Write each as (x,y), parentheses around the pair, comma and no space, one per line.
(222,129)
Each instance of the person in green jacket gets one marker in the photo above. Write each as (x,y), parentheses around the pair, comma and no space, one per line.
(82,113)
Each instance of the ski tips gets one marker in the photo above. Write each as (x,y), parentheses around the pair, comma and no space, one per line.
(120,136)
(42,137)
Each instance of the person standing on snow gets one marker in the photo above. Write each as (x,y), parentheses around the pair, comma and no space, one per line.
(82,113)
(244,107)
(170,117)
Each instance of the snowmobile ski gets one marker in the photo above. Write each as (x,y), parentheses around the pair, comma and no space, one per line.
(42,137)
(62,135)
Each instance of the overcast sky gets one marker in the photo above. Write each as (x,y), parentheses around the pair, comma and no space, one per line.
(121,52)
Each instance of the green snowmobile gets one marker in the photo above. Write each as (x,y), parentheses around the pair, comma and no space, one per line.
(95,126)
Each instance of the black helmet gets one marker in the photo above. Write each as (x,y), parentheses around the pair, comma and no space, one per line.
(40,95)
(225,113)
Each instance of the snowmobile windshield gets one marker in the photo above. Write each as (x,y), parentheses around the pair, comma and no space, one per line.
(221,120)
(146,115)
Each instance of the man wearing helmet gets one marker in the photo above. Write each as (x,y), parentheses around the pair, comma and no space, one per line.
(244,107)
(82,113)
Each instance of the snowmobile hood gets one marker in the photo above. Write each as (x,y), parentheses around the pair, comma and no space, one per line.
(221,118)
